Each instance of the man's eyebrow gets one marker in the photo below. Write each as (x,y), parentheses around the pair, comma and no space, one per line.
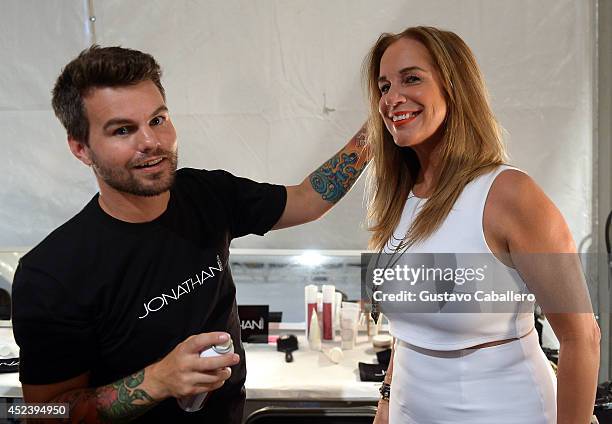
(117,121)
(403,71)
(125,121)
(162,108)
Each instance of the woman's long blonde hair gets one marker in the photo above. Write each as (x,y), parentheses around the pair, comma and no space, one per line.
(471,143)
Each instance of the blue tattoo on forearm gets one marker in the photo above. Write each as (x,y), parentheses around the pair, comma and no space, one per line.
(336,176)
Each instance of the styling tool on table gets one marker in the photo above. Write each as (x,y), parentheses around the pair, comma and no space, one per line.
(287,343)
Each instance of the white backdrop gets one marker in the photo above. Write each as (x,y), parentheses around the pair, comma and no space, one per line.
(270,89)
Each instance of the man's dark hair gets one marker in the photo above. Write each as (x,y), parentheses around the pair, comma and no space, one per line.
(98,67)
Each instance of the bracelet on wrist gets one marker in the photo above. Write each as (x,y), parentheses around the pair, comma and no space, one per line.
(385,391)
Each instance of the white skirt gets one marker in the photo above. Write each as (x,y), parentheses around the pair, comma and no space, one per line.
(511,383)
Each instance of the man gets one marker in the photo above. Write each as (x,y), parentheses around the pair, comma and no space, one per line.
(112,309)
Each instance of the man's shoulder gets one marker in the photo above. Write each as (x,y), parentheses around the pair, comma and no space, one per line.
(216,180)
(214,176)
(198,184)
(65,241)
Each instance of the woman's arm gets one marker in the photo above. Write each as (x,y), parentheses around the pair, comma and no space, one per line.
(579,337)
(542,250)
(382,413)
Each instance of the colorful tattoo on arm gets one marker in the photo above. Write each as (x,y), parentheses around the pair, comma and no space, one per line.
(120,401)
(124,398)
(361,138)
(334,178)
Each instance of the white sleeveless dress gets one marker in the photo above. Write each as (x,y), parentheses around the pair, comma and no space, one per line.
(437,377)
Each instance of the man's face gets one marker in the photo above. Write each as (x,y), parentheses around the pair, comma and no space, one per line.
(132,142)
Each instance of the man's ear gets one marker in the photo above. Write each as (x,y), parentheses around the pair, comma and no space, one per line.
(80,151)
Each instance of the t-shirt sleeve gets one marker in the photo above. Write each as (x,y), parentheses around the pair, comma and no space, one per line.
(55,340)
(254,207)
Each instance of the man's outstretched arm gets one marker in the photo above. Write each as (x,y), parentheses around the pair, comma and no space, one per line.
(325,186)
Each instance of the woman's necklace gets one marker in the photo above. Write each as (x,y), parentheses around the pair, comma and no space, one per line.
(398,247)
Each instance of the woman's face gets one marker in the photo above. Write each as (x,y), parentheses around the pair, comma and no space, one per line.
(412,102)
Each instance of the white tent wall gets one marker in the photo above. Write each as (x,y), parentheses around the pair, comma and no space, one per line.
(41,183)
(270,89)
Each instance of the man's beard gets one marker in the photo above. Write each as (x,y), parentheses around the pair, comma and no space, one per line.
(148,185)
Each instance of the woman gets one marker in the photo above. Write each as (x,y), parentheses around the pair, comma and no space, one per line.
(438,183)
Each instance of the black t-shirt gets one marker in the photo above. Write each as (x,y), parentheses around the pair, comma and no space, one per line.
(111,297)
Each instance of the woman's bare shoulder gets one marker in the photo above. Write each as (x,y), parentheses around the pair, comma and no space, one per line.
(519,212)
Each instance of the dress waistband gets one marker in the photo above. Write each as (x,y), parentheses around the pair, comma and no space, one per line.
(458,352)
